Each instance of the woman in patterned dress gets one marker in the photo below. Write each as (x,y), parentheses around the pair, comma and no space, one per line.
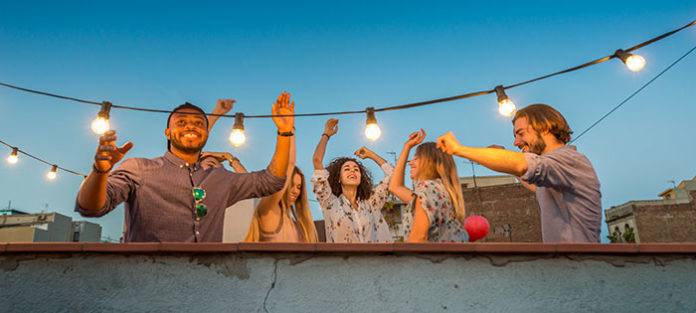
(436,211)
(351,206)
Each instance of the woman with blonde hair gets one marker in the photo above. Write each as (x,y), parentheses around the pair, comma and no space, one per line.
(436,211)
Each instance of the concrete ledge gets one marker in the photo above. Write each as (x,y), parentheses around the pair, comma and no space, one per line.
(255,277)
(491,248)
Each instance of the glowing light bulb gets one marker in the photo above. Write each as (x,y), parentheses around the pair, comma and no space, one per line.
(13,158)
(237,136)
(372,131)
(634,62)
(505,106)
(100,125)
(53,173)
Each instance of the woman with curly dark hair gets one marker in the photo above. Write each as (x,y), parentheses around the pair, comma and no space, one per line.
(352,207)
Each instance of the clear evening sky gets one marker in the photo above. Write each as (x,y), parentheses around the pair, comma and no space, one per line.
(342,56)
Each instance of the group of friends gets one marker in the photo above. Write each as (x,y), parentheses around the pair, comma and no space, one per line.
(182,196)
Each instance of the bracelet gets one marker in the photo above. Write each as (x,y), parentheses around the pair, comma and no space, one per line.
(96,170)
(286,134)
(327,136)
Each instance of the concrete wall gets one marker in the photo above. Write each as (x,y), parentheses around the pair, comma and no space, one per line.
(308,282)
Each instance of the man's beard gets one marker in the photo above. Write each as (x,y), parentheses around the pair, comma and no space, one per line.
(538,146)
(188,150)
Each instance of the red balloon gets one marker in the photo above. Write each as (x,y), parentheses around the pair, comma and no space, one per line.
(477,226)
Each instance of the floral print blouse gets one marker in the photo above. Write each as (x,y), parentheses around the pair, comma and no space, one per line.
(344,224)
(436,202)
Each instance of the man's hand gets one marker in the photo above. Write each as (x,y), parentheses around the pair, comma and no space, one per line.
(364,153)
(283,106)
(222,106)
(448,143)
(415,138)
(331,127)
(108,154)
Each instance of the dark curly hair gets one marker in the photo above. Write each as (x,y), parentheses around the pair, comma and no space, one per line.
(365,186)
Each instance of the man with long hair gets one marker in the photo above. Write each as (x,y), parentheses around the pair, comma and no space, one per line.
(564,180)
(173,198)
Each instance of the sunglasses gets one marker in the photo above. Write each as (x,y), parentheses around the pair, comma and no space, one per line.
(198,196)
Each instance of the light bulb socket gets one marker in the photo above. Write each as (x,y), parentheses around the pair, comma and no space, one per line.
(371,119)
(500,92)
(15,152)
(238,121)
(54,168)
(622,55)
(105,110)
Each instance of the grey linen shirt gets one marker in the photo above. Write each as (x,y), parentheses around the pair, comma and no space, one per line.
(159,199)
(568,194)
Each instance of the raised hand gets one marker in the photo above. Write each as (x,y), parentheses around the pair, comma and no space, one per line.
(448,143)
(415,138)
(222,106)
(331,127)
(108,154)
(283,106)
(364,153)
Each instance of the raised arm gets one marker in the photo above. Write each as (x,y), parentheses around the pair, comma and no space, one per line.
(236,165)
(92,195)
(270,203)
(499,160)
(222,106)
(396,184)
(330,129)
(284,119)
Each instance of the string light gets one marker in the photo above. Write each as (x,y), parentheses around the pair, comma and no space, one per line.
(53,173)
(505,106)
(13,158)
(237,137)
(372,130)
(100,125)
(634,62)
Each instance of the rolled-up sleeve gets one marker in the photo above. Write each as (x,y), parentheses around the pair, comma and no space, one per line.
(120,185)
(253,185)
(548,170)
(321,187)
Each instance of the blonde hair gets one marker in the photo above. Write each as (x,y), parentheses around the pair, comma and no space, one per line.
(433,163)
(302,212)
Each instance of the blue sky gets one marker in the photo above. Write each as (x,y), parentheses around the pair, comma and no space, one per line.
(342,56)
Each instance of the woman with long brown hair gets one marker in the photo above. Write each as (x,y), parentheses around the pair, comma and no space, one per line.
(351,205)
(436,211)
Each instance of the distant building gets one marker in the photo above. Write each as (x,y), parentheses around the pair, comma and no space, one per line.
(669,219)
(46,227)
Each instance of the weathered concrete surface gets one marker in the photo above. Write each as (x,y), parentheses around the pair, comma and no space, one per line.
(239,282)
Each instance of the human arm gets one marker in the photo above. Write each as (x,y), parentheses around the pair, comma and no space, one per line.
(92,196)
(284,119)
(330,129)
(525,184)
(225,156)
(222,106)
(379,193)
(396,184)
(420,225)
(499,160)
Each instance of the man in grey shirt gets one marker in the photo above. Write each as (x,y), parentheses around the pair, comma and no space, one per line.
(173,198)
(564,180)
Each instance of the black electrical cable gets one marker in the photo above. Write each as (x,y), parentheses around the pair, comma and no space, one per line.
(40,159)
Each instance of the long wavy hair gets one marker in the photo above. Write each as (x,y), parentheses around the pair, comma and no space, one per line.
(305,222)
(433,163)
(365,186)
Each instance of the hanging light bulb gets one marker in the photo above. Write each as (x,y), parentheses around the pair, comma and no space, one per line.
(634,62)
(372,130)
(14,156)
(505,106)
(237,137)
(53,173)
(100,125)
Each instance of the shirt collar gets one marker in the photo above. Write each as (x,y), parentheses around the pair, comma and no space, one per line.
(169,156)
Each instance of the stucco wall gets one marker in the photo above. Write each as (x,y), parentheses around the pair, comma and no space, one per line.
(346,282)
